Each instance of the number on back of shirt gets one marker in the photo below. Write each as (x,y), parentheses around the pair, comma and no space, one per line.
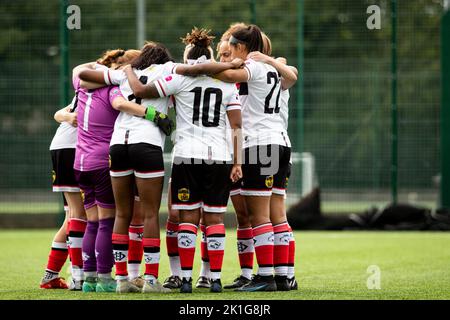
(210,94)
(271,106)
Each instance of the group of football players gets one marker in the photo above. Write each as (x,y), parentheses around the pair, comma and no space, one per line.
(230,141)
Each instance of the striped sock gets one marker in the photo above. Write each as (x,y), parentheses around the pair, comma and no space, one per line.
(120,251)
(216,245)
(76,234)
(263,238)
(281,248)
(135,250)
(187,236)
(205,267)
(151,257)
(246,251)
(172,248)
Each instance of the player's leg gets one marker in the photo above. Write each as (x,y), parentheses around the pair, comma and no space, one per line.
(174,280)
(279,220)
(104,199)
(149,173)
(77,229)
(257,189)
(122,181)
(185,193)
(216,177)
(245,245)
(203,280)
(136,249)
(56,259)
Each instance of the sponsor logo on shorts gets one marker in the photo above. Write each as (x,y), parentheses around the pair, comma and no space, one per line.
(269,181)
(53,176)
(82,195)
(286,183)
(183,194)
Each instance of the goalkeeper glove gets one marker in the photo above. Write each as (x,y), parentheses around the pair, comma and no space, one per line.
(160,119)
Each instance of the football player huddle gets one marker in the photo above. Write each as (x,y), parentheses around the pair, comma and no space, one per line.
(230,141)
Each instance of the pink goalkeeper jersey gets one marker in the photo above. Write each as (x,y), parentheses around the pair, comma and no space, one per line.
(96,118)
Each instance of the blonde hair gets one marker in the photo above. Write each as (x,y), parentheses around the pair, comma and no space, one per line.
(267,44)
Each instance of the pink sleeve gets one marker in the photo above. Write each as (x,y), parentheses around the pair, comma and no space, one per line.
(114,93)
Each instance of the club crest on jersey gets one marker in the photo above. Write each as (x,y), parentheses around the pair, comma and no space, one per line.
(169,78)
(269,181)
(53,176)
(183,194)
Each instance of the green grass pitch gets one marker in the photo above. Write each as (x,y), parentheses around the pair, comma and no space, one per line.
(329,265)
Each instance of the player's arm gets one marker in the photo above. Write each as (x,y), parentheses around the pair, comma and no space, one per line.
(149,113)
(210,68)
(97,78)
(235,119)
(288,75)
(145,91)
(233,76)
(64,115)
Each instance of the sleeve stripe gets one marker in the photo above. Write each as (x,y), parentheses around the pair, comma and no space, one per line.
(106,77)
(109,77)
(233,104)
(162,89)
(249,72)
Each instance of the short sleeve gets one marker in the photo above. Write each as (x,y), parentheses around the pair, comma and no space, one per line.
(235,101)
(169,85)
(114,92)
(114,77)
(252,68)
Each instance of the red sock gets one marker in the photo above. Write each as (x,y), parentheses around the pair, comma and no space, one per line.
(172,238)
(215,246)
(120,251)
(246,251)
(187,236)
(58,256)
(76,234)
(204,245)
(263,239)
(281,248)
(291,259)
(151,256)
(135,247)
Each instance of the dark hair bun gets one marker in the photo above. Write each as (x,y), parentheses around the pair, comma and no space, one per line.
(198,38)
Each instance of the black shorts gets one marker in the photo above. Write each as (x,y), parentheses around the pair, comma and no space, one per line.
(63,176)
(200,185)
(236,188)
(281,178)
(144,160)
(264,168)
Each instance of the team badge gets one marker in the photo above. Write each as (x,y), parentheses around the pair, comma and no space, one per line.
(53,176)
(269,181)
(169,78)
(183,194)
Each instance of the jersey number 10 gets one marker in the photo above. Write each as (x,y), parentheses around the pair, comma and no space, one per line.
(206,104)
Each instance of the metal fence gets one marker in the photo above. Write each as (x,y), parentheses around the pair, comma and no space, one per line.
(341,111)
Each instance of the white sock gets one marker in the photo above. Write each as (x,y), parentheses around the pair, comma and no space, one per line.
(175,267)
(77,273)
(247,273)
(133,270)
(90,274)
(205,270)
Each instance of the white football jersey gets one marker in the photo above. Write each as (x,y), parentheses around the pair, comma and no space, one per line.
(66,135)
(202,104)
(130,129)
(261,118)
